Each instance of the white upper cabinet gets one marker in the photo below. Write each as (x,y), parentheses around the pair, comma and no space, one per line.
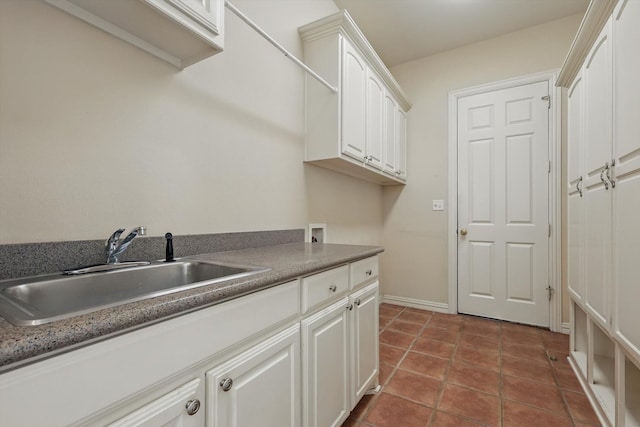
(626,154)
(356,130)
(180,32)
(354,107)
(375,120)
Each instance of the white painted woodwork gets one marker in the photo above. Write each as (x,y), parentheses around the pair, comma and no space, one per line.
(362,271)
(320,289)
(364,341)
(261,341)
(103,374)
(325,363)
(351,131)
(168,410)
(575,254)
(626,195)
(597,196)
(503,200)
(265,390)
(354,103)
(340,349)
(389,142)
(375,120)
(605,340)
(180,32)
(401,145)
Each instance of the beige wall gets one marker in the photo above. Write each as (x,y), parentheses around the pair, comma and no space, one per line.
(415,237)
(96,135)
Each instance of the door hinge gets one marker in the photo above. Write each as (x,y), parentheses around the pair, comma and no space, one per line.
(549,170)
(549,230)
(548,99)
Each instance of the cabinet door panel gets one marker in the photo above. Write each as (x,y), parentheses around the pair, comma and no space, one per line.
(354,86)
(375,120)
(325,337)
(627,174)
(390,155)
(264,388)
(575,176)
(168,410)
(364,341)
(597,192)
(401,144)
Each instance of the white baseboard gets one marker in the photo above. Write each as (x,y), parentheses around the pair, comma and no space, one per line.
(415,303)
(566,328)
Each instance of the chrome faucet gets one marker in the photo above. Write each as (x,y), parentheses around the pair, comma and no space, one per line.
(114,246)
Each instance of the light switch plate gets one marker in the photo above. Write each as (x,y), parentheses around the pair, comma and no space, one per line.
(438,205)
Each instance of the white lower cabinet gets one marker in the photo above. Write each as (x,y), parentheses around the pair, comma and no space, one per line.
(325,337)
(259,387)
(252,361)
(178,408)
(364,342)
(340,351)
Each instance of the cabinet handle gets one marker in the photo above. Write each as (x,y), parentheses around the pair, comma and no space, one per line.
(333,288)
(606,184)
(193,406)
(226,384)
(368,273)
(610,169)
(578,188)
(358,302)
(350,307)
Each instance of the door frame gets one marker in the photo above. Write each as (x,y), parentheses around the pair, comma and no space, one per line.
(555,189)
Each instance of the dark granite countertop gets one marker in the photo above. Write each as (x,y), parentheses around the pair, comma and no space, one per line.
(20,345)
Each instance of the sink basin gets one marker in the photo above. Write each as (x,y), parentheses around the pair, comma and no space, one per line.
(43,299)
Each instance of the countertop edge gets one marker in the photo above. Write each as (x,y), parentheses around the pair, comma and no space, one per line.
(24,345)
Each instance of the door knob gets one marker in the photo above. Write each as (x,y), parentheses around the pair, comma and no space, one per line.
(463,231)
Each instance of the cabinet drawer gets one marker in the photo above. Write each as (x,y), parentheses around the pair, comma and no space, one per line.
(363,270)
(324,287)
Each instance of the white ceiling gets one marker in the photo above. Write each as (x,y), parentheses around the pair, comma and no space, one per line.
(403,30)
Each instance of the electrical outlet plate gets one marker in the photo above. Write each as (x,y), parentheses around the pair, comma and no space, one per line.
(438,205)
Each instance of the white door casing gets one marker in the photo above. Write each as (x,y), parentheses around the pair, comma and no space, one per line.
(503,204)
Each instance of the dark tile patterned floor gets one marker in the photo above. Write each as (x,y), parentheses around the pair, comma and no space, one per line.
(441,370)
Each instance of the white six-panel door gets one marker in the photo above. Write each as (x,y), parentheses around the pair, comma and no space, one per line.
(503,199)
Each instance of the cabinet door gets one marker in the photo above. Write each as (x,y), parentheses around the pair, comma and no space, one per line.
(627,173)
(364,341)
(179,408)
(375,120)
(389,141)
(202,16)
(258,387)
(575,227)
(354,87)
(325,364)
(597,191)
(401,144)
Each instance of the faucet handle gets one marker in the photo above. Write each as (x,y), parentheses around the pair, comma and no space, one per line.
(113,239)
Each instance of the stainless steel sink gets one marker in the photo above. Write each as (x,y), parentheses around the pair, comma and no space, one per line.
(43,299)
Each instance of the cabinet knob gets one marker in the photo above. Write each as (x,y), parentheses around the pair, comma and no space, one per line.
(368,273)
(358,302)
(226,384)
(333,288)
(193,406)
(349,307)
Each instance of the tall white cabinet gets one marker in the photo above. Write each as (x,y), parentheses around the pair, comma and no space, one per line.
(361,129)
(602,76)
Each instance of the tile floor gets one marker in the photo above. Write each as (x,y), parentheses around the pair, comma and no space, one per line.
(439,370)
